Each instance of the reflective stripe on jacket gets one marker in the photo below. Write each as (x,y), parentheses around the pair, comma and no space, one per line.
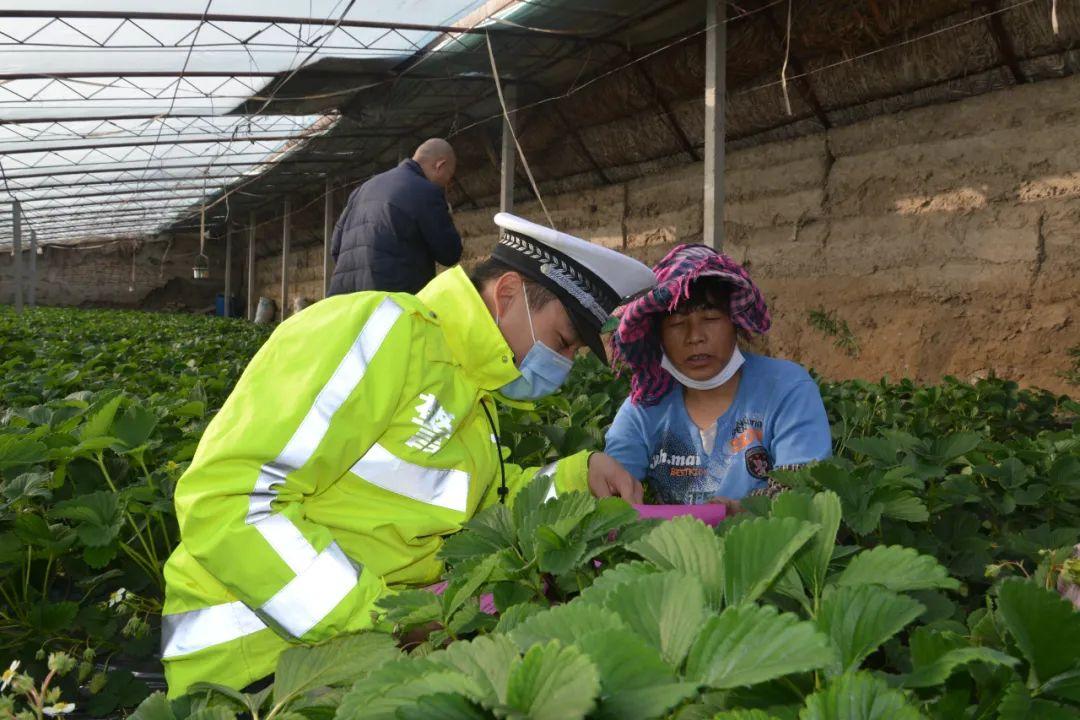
(353,443)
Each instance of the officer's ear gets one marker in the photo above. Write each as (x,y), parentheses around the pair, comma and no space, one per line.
(505,291)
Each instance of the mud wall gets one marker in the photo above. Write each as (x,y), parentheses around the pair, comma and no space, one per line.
(946,238)
(149,274)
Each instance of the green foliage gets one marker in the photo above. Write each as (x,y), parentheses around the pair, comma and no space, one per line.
(1072,372)
(100,413)
(691,548)
(911,575)
(304,669)
(29,698)
(896,568)
(827,323)
(812,561)
(861,618)
(858,696)
(756,551)
(748,644)
(666,609)
(644,639)
(1046,628)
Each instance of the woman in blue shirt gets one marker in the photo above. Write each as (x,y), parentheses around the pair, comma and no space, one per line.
(706,421)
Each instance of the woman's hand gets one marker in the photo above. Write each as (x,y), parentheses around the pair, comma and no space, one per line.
(733,506)
(607,477)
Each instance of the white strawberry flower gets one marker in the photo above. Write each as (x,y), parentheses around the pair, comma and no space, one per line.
(117,597)
(58,709)
(8,675)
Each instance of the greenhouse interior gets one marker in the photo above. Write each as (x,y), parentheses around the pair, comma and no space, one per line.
(735,338)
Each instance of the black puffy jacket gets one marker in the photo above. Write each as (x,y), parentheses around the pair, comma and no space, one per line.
(393,230)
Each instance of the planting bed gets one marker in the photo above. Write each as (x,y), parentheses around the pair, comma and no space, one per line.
(915,575)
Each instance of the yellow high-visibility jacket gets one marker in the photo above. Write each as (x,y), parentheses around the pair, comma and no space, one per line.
(353,443)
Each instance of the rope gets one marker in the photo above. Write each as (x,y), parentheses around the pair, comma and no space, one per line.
(787,57)
(513,133)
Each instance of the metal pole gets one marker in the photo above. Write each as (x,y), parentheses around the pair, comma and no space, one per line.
(16,249)
(509,153)
(228,269)
(251,267)
(283,20)
(715,104)
(202,140)
(328,233)
(285,261)
(32,292)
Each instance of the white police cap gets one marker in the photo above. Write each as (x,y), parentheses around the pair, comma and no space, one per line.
(590,280)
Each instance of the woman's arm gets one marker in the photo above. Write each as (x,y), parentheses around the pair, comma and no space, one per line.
(628,441)
(801,433)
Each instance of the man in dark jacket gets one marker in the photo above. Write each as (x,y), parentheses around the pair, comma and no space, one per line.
(397,225)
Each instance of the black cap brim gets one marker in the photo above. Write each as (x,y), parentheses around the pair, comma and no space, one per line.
(544,265)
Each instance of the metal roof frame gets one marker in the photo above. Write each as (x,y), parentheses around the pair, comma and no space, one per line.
(50,150)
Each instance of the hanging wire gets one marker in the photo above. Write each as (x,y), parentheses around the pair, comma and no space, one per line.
(701,31)
(513,132)
(134,253)
(201,269)
(248,116)
(787,57)
(894,46)
(504,113)
(310,55)
(179,78)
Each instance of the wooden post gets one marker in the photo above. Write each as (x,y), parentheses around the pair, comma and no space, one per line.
(251,267)
(328,234)
(228,269)
(285,230)
(32,291)
(715,104)
(509,153)
(16,249)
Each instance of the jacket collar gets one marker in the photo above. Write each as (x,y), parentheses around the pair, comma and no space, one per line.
(470,331)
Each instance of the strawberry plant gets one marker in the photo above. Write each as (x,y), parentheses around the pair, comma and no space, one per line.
(911,571)
(767,617)
(528,557)
(99,414)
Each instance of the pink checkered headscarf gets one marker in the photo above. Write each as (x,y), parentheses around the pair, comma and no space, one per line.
(637,340)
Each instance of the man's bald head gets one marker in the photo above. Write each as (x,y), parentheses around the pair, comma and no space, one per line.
(437,159)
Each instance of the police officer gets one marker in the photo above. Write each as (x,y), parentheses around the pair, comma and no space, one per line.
(362,434)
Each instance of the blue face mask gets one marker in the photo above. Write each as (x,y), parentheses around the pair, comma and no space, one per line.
(543,371)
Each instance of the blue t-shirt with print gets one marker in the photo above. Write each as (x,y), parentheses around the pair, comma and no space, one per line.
(776,420)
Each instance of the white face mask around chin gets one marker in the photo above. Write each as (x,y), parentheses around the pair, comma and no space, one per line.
(712,383)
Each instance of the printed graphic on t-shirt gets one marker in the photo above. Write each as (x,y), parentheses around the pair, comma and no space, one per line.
(776,418)
(677,468)
(758,463)
(681,474)
(747,431)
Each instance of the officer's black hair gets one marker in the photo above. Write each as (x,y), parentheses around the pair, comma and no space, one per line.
(491,269)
